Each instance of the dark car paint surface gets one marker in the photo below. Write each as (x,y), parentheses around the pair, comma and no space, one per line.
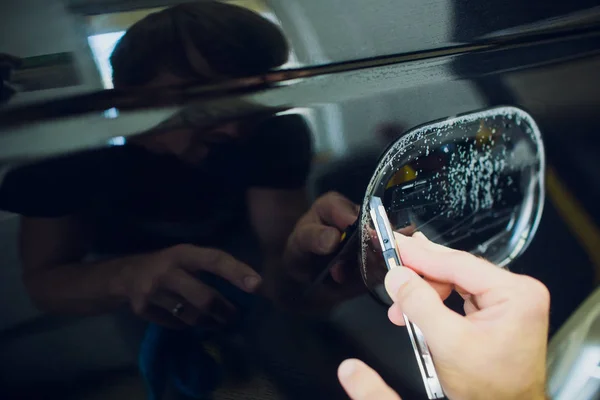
(362,76)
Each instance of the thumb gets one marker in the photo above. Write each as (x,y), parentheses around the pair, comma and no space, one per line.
(423,306)
(361,382)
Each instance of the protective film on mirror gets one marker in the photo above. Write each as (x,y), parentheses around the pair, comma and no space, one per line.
(472,182)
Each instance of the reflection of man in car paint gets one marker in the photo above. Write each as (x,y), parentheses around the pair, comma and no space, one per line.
(137,224)
(166,206)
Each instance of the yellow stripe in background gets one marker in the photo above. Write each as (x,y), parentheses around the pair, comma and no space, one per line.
(580,223)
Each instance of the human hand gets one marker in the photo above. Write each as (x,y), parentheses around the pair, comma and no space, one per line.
(317,234)
(155,284)
(496,351)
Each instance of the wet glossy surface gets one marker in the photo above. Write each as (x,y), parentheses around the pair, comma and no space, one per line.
(241,161)
(473,182)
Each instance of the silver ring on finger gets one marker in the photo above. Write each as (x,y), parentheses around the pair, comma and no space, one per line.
(177,310)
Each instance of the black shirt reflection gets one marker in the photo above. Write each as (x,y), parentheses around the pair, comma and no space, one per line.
(237,186)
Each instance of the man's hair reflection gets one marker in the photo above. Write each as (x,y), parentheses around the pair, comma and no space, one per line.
(205,41)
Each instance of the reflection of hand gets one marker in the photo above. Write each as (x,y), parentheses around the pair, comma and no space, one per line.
(156,283)
(318,233)
(497,351)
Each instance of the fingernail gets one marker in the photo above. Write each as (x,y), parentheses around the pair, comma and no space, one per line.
(328,240)
(251,282)
(347,368)
(395,279)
